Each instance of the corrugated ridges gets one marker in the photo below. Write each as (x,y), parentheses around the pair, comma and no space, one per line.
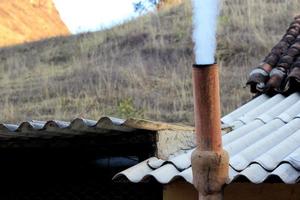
(165,174)
(264,144)
(55,128)
(55,124)
(36,128)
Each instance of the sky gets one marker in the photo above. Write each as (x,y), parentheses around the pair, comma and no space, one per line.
(92,15)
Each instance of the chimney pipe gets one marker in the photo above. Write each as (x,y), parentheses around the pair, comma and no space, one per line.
(210,162)
(207,107)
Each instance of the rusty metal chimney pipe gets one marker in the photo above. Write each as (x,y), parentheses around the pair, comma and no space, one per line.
(207,107)
(210,162)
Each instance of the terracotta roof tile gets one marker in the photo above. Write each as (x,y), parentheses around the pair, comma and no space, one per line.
(280,70)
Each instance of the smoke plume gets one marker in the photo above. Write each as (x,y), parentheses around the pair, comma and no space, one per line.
(205,16)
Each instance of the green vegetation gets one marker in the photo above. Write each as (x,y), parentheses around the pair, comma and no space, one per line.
(139,69)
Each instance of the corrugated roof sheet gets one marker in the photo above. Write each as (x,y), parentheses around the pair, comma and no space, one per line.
(33,127)
(264,144)
(30,133)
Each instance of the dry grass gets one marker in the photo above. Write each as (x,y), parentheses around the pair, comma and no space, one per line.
(139,69)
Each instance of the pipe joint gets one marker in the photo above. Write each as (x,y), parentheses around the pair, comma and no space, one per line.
(210,173)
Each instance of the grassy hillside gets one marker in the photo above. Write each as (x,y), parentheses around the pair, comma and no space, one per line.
(139,69)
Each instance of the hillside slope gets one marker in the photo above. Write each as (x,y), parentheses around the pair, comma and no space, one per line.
(139,69)
(29,20)
(163,4)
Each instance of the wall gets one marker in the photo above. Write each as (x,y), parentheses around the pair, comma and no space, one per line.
(266,191)
(170,142)
(181,190)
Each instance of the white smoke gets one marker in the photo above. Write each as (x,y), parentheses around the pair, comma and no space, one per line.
(205,17)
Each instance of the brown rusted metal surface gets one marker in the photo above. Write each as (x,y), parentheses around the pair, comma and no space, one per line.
(207,108)
(273,73)
(210,162)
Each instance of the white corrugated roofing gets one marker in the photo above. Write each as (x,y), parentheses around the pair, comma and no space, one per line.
(264,144)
